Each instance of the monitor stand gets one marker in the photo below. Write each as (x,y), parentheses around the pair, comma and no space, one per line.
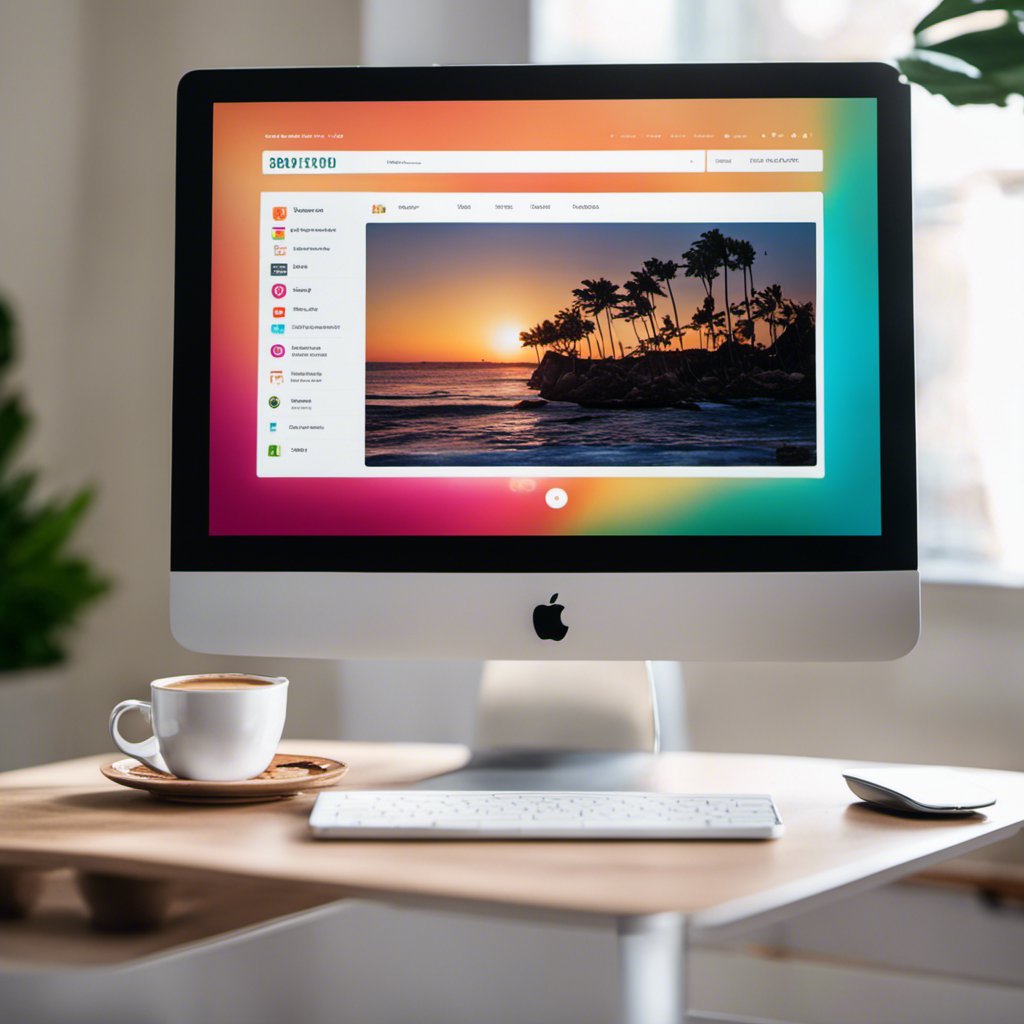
(585,706)
(548,770)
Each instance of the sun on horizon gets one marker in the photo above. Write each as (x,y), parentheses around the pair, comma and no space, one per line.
(505,340)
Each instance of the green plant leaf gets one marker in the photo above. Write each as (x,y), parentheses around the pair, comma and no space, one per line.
(42,588)
(988,51)
(1011,79)
(14,424)
(51,527)
(6,337)
(950,9)
(957,87)
(13,495)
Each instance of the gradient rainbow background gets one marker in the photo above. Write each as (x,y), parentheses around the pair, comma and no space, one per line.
(846,501)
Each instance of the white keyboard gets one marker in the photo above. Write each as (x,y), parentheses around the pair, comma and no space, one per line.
(470,814)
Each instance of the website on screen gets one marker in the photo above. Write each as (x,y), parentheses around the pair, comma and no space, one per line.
(545,317)
(563,333)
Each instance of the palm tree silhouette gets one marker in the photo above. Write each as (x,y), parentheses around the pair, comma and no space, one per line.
(768,307)
(595,298)
(608,298)
(742,326)
(719,327)
(531,339)
(648,287)
(799,315)
(572,328)
(636,306)
(665,271)
(799,318)
(551,336)
(744,254)
(588,329)
(717,246)
(628,309)
(666,333)
(703,318)
(585,298)
(699,262)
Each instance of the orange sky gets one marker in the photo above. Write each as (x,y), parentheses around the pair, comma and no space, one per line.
(464,292)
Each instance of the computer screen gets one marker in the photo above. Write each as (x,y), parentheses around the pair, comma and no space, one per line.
(623,320)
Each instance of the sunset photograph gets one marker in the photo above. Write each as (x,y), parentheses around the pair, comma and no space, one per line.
(682,344)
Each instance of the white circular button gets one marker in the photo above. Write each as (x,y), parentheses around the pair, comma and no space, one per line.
(556,498)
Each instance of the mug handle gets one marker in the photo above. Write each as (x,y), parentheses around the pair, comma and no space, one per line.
(148,751)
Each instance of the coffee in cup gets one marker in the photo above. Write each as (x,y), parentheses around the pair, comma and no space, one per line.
(212,682)
(217,727)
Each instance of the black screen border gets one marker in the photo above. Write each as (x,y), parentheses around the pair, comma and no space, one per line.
(193,548)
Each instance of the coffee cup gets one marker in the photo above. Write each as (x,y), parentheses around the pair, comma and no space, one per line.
(217,727)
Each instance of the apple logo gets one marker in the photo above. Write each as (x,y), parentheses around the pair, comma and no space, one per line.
(547,620)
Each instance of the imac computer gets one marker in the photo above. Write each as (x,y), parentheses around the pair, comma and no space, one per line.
(545,363)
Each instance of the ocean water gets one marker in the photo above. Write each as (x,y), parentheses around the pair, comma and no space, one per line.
(462,414)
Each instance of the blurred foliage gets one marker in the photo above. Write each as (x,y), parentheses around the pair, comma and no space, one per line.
(994,57)
(42,587)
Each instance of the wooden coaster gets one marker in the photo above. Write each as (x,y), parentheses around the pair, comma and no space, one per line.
(288,775)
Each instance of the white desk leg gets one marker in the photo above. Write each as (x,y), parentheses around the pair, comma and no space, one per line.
(652,969)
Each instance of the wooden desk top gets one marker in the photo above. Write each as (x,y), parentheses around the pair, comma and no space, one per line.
(68,815)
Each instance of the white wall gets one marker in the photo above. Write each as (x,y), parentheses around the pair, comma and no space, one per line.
(955,699)
(87,94)
(446,32)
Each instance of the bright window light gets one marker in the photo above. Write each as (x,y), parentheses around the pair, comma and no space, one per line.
(602,31)
(969,215)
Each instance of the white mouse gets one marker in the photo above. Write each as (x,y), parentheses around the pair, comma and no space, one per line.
(918,790)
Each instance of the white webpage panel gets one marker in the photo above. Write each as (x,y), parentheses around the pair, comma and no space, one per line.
(311,393)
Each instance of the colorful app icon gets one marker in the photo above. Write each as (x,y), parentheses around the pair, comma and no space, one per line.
(273,427)
(280,250)
(277,234)
(278,269)
(277,351)
(378,208)
(279,291)
(275,402)
(277,328)
(280,212)
(274,450)
(279,311)
(276,378)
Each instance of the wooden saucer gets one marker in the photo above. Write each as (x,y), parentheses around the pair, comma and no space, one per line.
(288,775)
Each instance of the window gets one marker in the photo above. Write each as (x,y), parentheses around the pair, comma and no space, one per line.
(969,215)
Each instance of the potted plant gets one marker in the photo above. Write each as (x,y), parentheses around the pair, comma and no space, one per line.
(975,65)
(43,586)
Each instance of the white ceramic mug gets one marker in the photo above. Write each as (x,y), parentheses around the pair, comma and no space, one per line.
(216,734)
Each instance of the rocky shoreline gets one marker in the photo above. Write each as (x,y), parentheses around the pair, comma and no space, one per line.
(675,380)
(668,379)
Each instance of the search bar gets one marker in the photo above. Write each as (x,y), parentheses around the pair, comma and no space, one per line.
(760,160)
(610,161)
